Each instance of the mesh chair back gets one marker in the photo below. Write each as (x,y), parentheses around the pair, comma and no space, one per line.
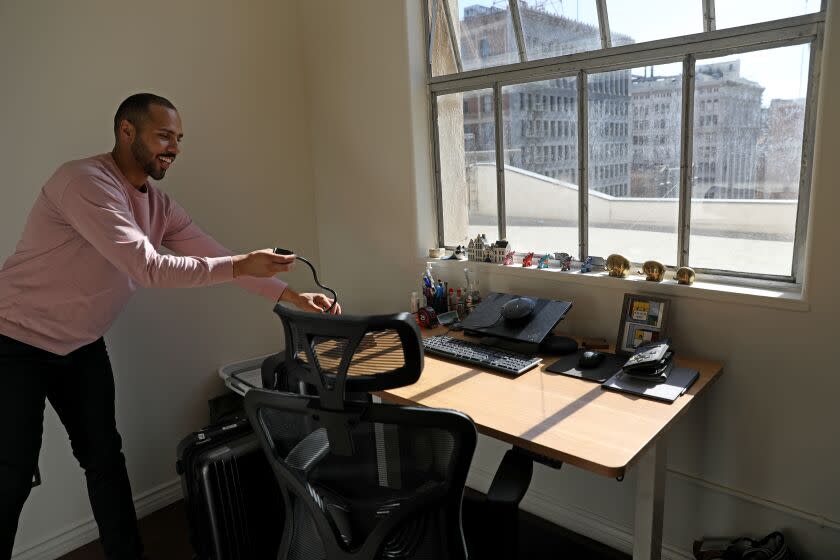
(362,480)
(338,353)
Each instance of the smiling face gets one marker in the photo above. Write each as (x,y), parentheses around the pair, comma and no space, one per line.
(156,139)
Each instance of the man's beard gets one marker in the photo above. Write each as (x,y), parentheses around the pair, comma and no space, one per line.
(147,160)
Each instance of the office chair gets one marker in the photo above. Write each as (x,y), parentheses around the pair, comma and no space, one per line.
(361,480)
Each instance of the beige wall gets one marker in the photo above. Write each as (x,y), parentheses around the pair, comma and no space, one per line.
(234,71)
(361,122)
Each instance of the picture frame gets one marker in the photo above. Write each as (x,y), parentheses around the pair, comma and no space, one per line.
(643,320)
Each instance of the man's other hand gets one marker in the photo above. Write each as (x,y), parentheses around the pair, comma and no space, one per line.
(261,264)
(316,303)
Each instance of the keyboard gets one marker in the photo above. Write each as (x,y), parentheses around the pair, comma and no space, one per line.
(484,356)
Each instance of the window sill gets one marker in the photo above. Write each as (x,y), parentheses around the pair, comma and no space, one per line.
(777,295)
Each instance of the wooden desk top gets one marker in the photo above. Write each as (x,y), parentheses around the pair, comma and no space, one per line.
(561,417)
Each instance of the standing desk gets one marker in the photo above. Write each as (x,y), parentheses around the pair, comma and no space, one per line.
(570,420)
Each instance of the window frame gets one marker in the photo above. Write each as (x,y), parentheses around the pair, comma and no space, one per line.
(805,29)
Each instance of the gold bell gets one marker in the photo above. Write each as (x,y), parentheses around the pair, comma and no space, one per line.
(654,271)
(685,275)
(617,266)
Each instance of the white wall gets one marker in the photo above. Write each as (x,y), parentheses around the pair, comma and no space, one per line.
(234,71)
(764,432)
(361,122)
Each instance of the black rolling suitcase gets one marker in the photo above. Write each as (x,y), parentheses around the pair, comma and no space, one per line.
(234,506)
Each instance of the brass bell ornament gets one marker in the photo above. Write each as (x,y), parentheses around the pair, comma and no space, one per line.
(617,266)
(685,275)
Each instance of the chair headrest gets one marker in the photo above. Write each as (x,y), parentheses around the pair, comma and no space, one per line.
(351,353)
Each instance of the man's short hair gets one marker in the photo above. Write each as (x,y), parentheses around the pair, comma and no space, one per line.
(135,109)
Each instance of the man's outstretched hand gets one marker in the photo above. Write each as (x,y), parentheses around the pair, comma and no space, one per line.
(261,264)
(317,303)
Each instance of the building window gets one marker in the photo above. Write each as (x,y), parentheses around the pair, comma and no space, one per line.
(752,113)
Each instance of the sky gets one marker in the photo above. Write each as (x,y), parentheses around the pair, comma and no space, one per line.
(783,72)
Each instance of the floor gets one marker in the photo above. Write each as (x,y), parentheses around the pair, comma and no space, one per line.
(165,537)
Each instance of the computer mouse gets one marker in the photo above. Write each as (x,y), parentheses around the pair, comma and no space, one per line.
(590,359)
(518,308)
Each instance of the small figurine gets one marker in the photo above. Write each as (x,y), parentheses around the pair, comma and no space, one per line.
(597,264)
(508,260)
(565,260)
(499,249)
(685,275)
(459,254)
(617,266)
(587,265)
(543,262)
(654,271)
(528,258)
(476,248)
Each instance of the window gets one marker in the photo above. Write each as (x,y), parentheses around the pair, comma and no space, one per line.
(719,175)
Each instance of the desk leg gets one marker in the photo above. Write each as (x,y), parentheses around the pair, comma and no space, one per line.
(650,502)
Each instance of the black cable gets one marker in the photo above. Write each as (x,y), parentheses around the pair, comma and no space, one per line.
(314,275)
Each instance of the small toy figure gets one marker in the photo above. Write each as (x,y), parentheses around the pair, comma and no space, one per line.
(654,271)
(617,266)
(508,260)
(685,275)
(459,254)
(543,262)
(565,260)
(566,263)
(528,258)
(587,265)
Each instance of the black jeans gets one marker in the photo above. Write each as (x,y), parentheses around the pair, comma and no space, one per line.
(80,387)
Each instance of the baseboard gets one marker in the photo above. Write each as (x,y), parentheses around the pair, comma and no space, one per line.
(74,536)
(578,520)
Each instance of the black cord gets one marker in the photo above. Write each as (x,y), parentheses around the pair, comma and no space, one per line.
(314,275)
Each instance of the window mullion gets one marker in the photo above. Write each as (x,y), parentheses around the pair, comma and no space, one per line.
(430,27)
(583,164)
(807,165)
(517,29)
(709,15)
(453,39)
(604,24)
(686,161)
(438,182)
(500,160)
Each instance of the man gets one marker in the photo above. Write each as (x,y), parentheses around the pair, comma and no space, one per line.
(91,239)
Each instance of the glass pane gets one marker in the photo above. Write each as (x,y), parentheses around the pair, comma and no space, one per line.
(634,162)
(555,28)
(732,13)
(649,20)
(442,57)
(467,149)
(749,114)
(486,37)
(541,165)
